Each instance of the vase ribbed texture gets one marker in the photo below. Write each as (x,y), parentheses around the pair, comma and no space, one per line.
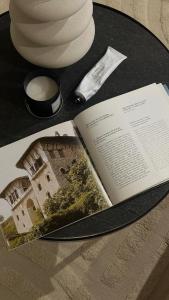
(52,33)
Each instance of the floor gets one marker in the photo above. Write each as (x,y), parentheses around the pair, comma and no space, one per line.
(131,264)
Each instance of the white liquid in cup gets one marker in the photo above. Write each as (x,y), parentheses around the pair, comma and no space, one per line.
(42,88)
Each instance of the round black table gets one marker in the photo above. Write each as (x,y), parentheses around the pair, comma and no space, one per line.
(148,62)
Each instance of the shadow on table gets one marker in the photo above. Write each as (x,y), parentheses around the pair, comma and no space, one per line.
(41,269)
(157,286)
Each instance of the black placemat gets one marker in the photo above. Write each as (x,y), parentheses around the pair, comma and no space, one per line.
(148,62)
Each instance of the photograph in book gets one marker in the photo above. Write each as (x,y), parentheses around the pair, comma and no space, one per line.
(47,181)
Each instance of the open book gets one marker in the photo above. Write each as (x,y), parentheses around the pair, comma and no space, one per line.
(107,154)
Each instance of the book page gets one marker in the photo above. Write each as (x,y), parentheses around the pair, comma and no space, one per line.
(128,140)
(47,181)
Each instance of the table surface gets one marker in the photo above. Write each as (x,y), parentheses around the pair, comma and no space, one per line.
(147,62)
(126,264)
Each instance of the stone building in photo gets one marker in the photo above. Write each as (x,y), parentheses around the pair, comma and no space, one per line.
(46,162)
(21,197)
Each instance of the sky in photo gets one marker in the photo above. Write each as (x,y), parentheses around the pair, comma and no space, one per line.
(10,154)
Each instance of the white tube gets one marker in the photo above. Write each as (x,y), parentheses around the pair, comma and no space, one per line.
(96,77)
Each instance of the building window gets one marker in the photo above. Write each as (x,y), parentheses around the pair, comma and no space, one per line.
(32,169)
(62,170)
(38,163)
(61,153)
(39,187)
(17,217)
(48,195)
(36,166)
(52,154)
(13,196)
(23,213)
(48,178)
(11,199)
(16,194)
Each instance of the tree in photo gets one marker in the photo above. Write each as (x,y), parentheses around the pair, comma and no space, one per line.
(81,190)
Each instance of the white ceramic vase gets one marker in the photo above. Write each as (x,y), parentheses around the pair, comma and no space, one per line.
(52,33)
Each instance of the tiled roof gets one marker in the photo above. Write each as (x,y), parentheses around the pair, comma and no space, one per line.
(47,139)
